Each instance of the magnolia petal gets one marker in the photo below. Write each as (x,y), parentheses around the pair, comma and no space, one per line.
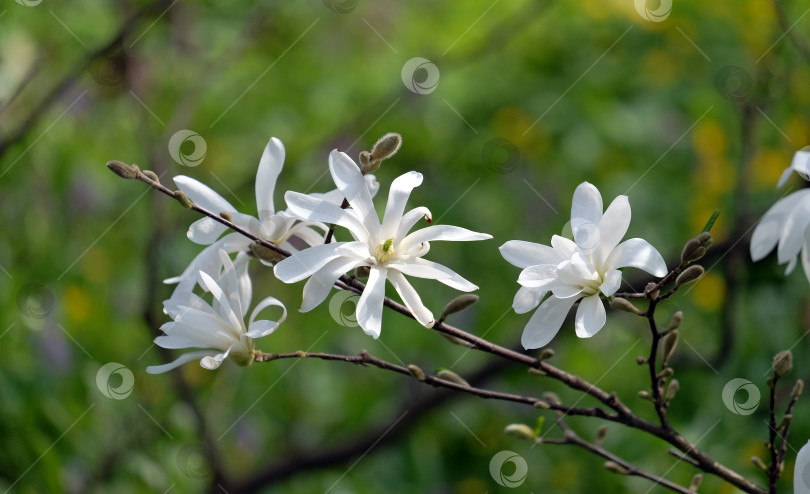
(202,195)
(451,278)
(244,286)
(792,231)
(350,182)
(267,302)
(545,322)
(270,166)
(356,250)
(227,312)
(591,316)
(526,300)
(302,264)
(637,253)
(539,276)
(441,232)
(805,256)
(611,283)
(411,298)
(174,342)
(310,208)
(409,219)
(370,305)
(524,254)
(182,359)
(766,233)
(320,284)
(398,195)
(205,231)
(784,177)
(563,247)
(566,291)
(213,362)
(612,228)
(229,283)
(428,270)
(587,204)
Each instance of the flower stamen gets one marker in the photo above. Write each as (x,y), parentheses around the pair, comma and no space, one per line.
(384,251)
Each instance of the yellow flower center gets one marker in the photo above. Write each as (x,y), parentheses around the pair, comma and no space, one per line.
(384,251)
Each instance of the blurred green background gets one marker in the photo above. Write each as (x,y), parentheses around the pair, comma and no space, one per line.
(691,111)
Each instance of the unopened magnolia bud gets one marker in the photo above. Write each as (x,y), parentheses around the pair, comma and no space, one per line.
(451,376)
(705,239)
(362,272)
(266,254)
(641,360)
(797,389)
(782,363)
(675,322)
(365,159)
(459,304)
(759,463)
(552,398)
(696,480)
(301,354)
(416,372)
(545,354)
(666,373)
(614,467)
(672,389)
(151,175)
(689,275)
(784,422)
(670,342)
(651,290)
(183,199)
(386,146)
(537,372)
(122,169)
(623,304)
(600,434)
(541,404)
(645,395)
(520,431)
(696,248)
(226,216)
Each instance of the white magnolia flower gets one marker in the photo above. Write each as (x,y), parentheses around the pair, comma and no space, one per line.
(218,326)
(386,248)
(787,223)
(579,269)
(280,227)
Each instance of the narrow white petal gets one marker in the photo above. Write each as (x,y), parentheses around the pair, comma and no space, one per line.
(784,177)
(267,302)
(408,295)
(302,264)
(590,316)
(611,283)
(182,359)
(213,362)
(309,208)
(398,195)
(791,234)
(563,247)
(320,284)
(766,233)
(357,250)
(566,291)
(229,282)
(805,256)
(351,183)
(524,254)
(526,300)
(202,195)
(441,232)
(587,204)
(545,322)
(612,227)
(244,286)
(266,176)
(227,312)
(174,342)
(409,219)
(428,270)
(370,305)
(637,253)
(452,279)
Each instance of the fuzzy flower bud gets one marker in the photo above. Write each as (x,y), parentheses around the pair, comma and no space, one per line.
(459,304)
(689,275)
(625,305)
(782,363)
(122,169)
(520,431)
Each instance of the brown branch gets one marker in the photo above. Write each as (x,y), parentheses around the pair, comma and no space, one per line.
(801,45)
